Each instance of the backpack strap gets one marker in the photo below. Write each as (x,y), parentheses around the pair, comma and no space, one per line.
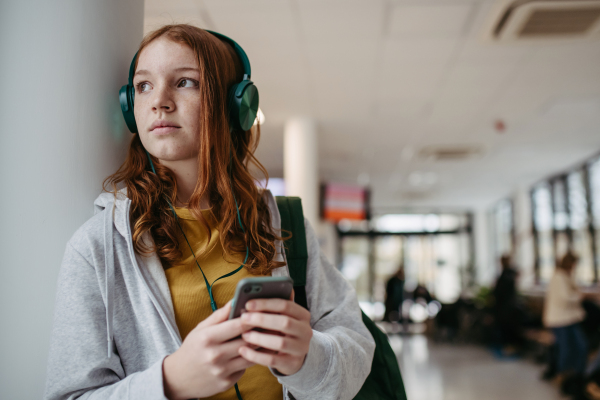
(296,252)
(385,379)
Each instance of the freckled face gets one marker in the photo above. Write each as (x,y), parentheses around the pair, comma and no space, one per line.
(167,100)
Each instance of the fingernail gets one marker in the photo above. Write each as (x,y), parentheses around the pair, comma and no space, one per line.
(246,317)
(250,305)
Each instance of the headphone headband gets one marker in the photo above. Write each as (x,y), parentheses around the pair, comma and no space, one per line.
(238,50)
(132,69)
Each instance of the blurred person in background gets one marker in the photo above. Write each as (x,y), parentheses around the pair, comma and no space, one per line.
(421,292)
(506,312)
(394,296)
(563,313)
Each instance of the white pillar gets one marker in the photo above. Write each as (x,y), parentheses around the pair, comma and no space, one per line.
(300,169)
(63,63)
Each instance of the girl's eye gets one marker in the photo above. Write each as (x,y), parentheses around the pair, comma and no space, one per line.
(143,87)
(187,83)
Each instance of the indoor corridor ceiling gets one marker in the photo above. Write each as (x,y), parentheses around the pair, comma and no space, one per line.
(393,82)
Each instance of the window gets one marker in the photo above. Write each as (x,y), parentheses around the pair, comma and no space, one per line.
(355,264)
(594,185)
(433,249)
(543,225)
(579,226)
(503,228)
(566,216)
(561,218)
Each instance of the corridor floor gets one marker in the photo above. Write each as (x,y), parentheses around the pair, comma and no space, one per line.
(434,371)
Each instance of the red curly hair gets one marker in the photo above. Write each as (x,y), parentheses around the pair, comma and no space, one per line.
(223,160)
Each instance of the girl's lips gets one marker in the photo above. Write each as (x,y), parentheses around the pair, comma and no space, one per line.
(164,130)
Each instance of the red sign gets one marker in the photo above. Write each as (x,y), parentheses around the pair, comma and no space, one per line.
(344,202)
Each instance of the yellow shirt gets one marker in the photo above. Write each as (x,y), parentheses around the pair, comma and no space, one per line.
(192,303)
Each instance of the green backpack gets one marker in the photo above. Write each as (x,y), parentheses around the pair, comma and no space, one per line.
(385,381)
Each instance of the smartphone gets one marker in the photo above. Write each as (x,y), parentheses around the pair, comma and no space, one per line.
(268,287)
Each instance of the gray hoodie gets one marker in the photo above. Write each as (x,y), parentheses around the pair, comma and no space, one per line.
(114,321)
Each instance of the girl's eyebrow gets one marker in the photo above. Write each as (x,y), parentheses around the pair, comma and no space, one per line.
(195,69)
(141,72)
(181,69)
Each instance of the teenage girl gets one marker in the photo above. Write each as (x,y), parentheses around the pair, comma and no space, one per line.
(138,283)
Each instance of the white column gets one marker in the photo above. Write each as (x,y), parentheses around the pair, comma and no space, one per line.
(300,169)
(63,63)
(524,251)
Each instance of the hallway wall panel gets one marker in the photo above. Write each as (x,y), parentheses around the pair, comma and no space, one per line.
(63,63)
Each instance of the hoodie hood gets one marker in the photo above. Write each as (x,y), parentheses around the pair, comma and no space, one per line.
(113,203)
(121,203)
(116,217)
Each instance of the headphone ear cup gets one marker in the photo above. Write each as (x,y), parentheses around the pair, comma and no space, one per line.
(126,97)
(248,107)
(243,105)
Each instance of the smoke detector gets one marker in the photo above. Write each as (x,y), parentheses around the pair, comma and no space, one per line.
(546,20)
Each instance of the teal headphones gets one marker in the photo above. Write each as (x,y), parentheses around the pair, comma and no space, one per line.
(242,98)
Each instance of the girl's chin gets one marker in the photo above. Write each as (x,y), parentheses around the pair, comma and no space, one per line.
(171,157)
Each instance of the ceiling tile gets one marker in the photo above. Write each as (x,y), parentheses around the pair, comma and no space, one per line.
(467,90)
(354,59)
(479,52)
(253,24)
(344,20)
(265,30)
(409,108)
(385,74)
(418,81)
(160,13)
(248,7)
(429,20)
(343,74)
(413,68)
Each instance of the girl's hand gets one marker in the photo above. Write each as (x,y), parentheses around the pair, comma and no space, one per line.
(286,337)
(208,361)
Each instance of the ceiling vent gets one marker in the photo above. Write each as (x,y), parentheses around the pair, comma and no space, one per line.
(450,153)
(547,19)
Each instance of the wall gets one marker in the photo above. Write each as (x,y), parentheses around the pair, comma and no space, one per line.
(63,63)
